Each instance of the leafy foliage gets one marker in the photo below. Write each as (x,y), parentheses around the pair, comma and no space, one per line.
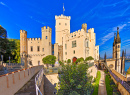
(61,63)
(89,58)
(80,60)
(13,50)
(75,80)
(3,41)
(96,83)
(68,61)
(128,71)
(50,59)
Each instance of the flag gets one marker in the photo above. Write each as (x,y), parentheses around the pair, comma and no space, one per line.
(63,7)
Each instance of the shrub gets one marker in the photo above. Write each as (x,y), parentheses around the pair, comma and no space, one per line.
(61,63)
(50,59)
(68,61)
(75,80)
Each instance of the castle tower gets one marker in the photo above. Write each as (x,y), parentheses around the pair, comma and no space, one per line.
(118,44)
(114,53)
(84,27)
(62,24)
(46,40)
(117,52)
(23,47)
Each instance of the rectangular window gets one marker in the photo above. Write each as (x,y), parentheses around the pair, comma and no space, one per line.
(73,43)
(87,44)
(46,37)
(74,51)
(65,53)
(65,46)
(38,48)
(43,49)
(31,48)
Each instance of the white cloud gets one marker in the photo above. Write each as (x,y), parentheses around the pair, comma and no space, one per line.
(120,27)
(111,34)
(3,4)
(36,20)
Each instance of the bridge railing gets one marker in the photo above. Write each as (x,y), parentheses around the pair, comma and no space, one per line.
(124,84)
(38,80)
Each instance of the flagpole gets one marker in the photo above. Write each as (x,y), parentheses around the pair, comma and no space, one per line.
(63,8)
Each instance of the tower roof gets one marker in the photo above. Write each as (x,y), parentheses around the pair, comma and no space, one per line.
(114,39)
(118,36)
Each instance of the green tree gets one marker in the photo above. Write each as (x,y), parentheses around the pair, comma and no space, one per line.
(75,79)
(80,60)
(3,41)
(89,58)
(128,71)
(50,59)
(68,61)
(61,63)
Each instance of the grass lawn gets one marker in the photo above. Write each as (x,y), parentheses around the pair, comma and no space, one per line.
(108,86)
(96,83)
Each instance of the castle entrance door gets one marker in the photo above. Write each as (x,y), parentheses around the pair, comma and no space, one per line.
(74,59)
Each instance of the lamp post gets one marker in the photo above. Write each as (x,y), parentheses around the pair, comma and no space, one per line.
(2,59)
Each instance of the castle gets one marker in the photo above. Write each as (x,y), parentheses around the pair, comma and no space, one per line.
(68,45)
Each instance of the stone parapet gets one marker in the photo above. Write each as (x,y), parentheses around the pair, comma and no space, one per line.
(12,82)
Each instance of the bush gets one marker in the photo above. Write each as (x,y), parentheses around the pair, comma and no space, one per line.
(68,61)
(74,80)
(61,63)
(128,71)
(50,59)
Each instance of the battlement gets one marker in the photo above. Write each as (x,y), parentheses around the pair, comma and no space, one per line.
(91,30)
(62,17)
(46,29)
(76,34)
(23,31)
(34,39)
(84,25)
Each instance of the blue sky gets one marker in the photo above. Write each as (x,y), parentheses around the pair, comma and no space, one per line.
(102,15)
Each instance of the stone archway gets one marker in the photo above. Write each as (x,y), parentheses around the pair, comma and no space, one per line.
(74,59)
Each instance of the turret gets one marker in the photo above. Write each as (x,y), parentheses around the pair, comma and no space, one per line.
(84,27)
(23,47)
(118,36)
(23,41)
(46,40)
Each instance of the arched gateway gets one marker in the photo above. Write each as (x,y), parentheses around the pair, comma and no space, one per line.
(74,59)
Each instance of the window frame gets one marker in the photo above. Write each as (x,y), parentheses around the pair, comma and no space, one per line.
(74,44)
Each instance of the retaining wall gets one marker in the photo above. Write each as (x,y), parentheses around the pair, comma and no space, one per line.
(10,83)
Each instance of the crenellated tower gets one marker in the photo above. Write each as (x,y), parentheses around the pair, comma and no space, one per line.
(23,47)
(62,25)
(46,40)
